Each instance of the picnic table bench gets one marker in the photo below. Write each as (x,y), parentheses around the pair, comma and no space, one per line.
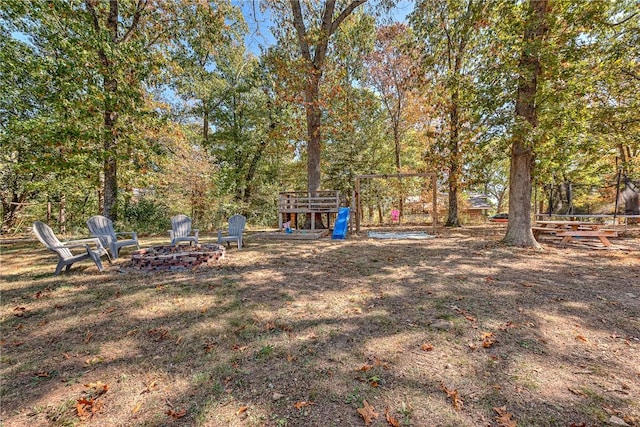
(570,229)
(568,235)
(537,231)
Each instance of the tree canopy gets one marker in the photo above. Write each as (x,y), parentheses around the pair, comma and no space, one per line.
(127,106)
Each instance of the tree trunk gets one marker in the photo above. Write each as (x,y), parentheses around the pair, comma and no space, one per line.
(314,117)
(205,124)
(314,58)
(522,154)
(110,92)
(454,161)
(110,162)
(110,87)
(62,217)
(313,131)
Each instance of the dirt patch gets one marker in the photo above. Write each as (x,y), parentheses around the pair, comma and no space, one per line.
(436,332)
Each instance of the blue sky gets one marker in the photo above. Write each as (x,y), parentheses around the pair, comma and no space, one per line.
(260,23)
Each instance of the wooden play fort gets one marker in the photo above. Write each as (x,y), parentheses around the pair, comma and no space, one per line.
(293,203)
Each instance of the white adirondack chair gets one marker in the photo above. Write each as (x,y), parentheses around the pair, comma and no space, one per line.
(234,234)
(181,230)
(91,248)
(102,228)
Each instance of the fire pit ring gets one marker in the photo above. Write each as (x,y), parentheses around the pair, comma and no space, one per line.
(176,258)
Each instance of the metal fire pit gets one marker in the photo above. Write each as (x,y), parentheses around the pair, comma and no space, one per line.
(176,258)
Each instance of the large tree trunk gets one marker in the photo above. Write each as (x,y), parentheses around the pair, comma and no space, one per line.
(522,154)
(314,58)
(110,197)
(110,89)
(313,131)
(455,163)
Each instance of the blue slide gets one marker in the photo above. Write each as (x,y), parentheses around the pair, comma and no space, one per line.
(342,222)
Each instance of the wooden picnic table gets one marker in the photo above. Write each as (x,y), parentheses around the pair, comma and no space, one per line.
(570,229)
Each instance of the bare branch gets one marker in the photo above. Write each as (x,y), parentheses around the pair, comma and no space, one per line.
(94,15)
(301,31)
(343,15)
(142,5)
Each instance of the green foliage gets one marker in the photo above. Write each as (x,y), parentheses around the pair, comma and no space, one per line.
(212,130)
(147,216)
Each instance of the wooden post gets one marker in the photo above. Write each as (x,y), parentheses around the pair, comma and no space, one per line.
(353,211)
(434,205)
(357,202)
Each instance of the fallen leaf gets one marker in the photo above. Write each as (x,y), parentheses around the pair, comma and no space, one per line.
(242,410)
(454,396)
(81,404)
(160,333)
(88,337)
(581,338)
(365,367)
(302,404)
(87,407)
(466,315)
(99,387)
(392,421)
(176,414)
(43,374)
(504,418)
(488,339)
(269,326)
(137,407)
(426,347)
(577,392)
(150,388)
(368,413)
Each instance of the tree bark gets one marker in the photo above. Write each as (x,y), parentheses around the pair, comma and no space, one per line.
(110,196)
(315,63)
(522,147)
(454,159)
(313,130)
(110,88)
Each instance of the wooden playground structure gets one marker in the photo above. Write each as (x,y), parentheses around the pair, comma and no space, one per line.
(293,203)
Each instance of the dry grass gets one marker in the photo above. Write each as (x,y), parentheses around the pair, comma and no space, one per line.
(552,336)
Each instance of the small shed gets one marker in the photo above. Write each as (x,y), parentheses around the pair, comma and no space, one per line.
(478,206)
